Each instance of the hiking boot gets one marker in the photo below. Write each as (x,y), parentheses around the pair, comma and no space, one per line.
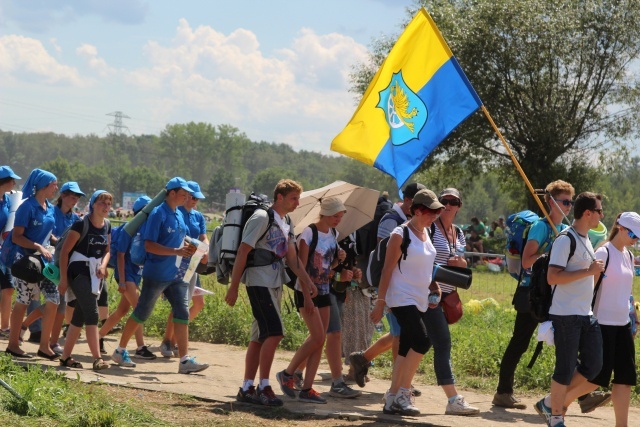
(144,353)
(403,404)
(268,398)
(34,337)
(123,358)
(311,396)
(287,383)
(460,407)
(249,396)
(507,400)
(543,410)
(344,391)
(594,400)
(299,380)
(190,366)
(360,366)
(165,349)
(102,350)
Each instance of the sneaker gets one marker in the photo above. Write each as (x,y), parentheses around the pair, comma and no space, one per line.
(267,397)
(344,391)
(56,348)
(190,365)
(165,349)
(415,391)
(543,410)
(360,366)
(388,407)
(34,337)
(299,381)
(102,350)
(144,353)
(123,358)
(403,404)
(507,400)
(311,396)
(594,400)
(287,383)
(249,396)
(460,407)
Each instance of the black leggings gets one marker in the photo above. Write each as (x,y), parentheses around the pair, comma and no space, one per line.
(413,330)
(86,307)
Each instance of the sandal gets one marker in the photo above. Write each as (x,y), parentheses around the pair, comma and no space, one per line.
(99,364)
(69,362)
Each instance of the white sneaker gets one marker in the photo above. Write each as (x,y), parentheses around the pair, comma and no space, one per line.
(123,358)
(165,349)
(460,407)
(403,404)
(190,365)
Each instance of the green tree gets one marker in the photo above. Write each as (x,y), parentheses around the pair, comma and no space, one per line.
(265,181)
(554,74)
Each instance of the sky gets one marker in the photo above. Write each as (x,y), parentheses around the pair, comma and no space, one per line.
(277,70)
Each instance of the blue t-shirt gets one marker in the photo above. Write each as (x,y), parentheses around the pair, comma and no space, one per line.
(38,223)
(5,207)
(63,221)
(167,228)
(542,233)
(132,271)
(195,221)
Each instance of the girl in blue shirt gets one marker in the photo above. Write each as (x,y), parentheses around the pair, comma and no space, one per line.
(7,183)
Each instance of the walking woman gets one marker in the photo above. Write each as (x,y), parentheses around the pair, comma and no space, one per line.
(34,222)
(324,258)
(612,310)
(83,270)
(449,242)
(7,183)
(405,286)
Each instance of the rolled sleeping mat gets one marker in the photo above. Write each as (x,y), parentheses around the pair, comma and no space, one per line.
(132,226)
(52,273)
(459,277)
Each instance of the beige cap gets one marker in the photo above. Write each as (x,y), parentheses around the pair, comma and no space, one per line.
(331,206)
(428,199)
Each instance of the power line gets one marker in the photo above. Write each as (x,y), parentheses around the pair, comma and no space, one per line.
(116,128)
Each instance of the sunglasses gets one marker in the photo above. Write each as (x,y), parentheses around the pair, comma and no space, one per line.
(565,202)
(599,211)
(423,209)
(452,202)
(631,234)
(194,198)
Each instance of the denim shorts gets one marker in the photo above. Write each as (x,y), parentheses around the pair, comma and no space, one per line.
(394,326)
(335,314)
(576,338)
(176,292)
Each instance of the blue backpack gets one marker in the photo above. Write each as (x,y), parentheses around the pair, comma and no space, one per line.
(115,233)
(518,225)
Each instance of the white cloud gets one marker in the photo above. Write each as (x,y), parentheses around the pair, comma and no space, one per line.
(56,46)
(90,54)
(300,93)
(23,58)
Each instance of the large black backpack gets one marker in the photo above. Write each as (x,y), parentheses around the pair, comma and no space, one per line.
(378,255)
(367,235)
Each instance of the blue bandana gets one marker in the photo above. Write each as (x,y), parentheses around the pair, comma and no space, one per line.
(94,196)
(38,179)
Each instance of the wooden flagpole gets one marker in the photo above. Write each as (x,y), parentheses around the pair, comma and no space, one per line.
(517,164)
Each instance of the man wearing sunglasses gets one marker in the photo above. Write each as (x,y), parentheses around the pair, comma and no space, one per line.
(578,340)
(538,242)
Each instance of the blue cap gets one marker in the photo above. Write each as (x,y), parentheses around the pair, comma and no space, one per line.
(94,196)
(178,182)
(7,172)
(140,203)
(71,186)
(195,190)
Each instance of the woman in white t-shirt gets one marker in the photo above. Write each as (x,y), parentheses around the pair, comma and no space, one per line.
(405,287)
(319,264)
(612,310)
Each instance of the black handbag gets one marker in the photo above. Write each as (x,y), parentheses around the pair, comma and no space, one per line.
(29,268)
(521,299)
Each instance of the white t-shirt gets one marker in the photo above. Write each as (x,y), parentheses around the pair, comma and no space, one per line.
(409,285)
(612,301)
(572,298)
(320,268)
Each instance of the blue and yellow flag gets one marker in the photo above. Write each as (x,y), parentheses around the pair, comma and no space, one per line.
(418,97)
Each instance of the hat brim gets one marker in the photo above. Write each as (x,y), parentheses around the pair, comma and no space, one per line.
(198,195)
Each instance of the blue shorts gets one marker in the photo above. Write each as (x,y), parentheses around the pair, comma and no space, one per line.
(176,292)
(335,314)
(394,326)
(576,338)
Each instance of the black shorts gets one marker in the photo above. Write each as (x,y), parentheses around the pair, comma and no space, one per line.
(265,306)
(5,280)
(319,301)
(618,356)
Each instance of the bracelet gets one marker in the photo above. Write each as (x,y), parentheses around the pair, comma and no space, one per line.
(122,285)
(381,299)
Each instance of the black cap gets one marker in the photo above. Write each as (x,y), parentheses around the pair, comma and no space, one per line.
(411,189)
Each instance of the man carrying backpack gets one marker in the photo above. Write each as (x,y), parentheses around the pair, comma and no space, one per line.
(264,287)
(538,241)
(576,330)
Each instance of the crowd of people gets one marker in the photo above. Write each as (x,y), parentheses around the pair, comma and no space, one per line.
(593,336)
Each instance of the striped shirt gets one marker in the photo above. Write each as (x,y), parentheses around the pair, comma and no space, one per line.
(444,251)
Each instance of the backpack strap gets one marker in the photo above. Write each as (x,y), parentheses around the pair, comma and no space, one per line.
(599,282)
(271,221)
(313,244)
(404,246)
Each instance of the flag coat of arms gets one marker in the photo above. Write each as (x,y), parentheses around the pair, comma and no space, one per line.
(418,97)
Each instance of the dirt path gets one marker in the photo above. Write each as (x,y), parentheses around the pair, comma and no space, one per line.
(220,383)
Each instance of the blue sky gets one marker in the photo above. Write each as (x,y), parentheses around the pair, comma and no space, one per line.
(277,70)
